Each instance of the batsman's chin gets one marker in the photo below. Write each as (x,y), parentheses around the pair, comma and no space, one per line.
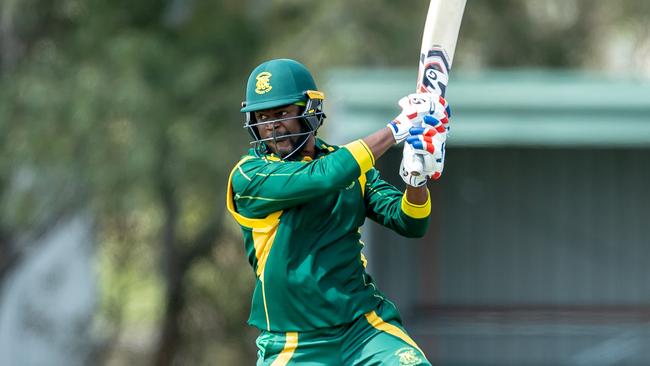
(282,147)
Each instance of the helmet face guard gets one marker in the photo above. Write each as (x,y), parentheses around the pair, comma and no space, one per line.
(311,119)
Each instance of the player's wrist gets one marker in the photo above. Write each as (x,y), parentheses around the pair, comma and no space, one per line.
(420,183)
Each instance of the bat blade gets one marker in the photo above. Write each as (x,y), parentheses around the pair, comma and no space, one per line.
(437,52)
(439,44)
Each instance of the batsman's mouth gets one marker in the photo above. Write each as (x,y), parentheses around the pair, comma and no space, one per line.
(281,138)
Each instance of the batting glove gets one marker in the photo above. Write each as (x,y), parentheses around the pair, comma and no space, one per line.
(428,143)
(414,108)
(408,167)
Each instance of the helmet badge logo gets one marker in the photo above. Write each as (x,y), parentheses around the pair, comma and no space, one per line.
(263,84)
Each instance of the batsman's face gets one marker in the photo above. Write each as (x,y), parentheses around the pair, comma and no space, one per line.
(282,146)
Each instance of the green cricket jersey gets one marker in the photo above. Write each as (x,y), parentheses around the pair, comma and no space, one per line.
(300,222)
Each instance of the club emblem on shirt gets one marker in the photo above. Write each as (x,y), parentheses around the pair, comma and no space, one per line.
(263,84)
(407,356)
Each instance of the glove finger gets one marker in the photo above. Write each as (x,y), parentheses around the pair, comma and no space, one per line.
(435,123)
(415,131)
(420,145)
(441,115)
(431,120)
(438,154)
(428,139)
(424,131)
(445,121)
(437,171)
(429,164)
(439,158)
(442,124)
(424,139)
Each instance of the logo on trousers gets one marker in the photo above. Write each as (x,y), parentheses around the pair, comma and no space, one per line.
(407,356)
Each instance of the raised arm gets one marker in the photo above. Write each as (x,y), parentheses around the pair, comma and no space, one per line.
(394,209)
(260,186)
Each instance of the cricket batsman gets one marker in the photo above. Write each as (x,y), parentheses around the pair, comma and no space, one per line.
(300,203)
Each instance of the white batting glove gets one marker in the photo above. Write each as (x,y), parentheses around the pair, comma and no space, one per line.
(428,141)
(414,107)
(429,144)
(409,165)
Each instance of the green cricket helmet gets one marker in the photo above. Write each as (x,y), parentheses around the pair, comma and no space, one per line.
(277,83)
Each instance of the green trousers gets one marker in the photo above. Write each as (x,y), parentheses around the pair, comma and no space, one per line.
(377,338)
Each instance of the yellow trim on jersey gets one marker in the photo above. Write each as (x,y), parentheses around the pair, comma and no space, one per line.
(416,211)
(380,324)
(362,154)
(273,158)
(266,309)
(262,223)
(263,231)
(364,261)
(290,346)
(362,184)
(263,241)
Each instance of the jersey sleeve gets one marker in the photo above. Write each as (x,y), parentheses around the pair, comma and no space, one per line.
(388,206)
(260,186)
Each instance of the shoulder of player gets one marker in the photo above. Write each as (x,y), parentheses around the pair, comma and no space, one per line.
(325,146)
(247,162)
(248,166)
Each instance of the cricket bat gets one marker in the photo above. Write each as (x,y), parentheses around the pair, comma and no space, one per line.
(437,51)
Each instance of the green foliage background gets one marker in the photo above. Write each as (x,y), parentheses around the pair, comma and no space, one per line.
(131,108)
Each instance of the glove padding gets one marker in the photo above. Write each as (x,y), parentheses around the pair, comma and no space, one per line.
(408,165)
(414,107)
(430,167)
(424,152)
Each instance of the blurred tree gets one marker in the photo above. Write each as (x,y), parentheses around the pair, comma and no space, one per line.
(137,104)
(125,103)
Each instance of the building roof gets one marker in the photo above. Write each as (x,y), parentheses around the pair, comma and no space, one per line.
(501,108)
